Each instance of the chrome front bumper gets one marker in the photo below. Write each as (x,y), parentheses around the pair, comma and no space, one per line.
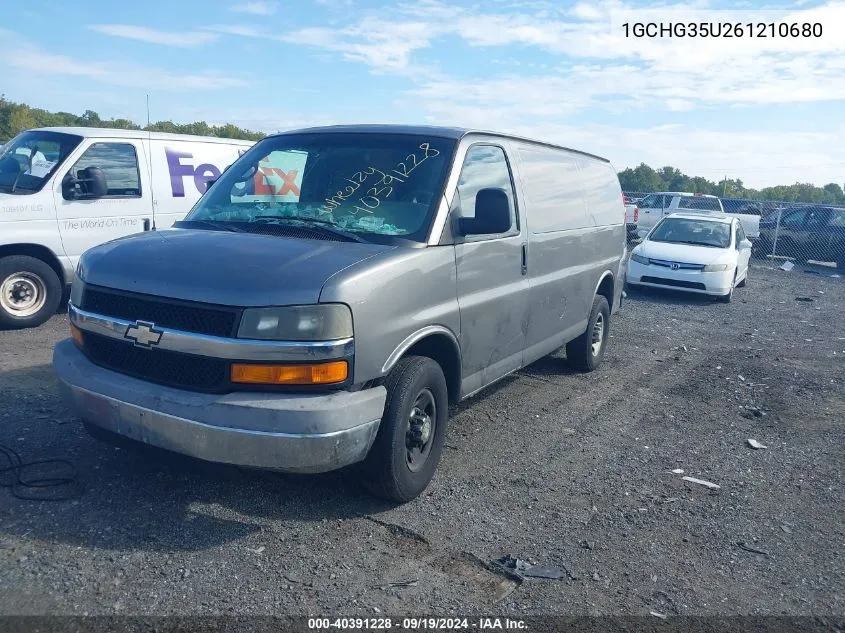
(300,433)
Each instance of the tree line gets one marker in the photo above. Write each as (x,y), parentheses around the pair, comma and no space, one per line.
(646,179)
(17,117)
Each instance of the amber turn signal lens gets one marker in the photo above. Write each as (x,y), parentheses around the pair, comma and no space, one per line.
(316,374)
(76,334)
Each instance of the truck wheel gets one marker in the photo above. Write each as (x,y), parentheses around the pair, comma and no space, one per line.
(586,352)
(407,449)
(30,292)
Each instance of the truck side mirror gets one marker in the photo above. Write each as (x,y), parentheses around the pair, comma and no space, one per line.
(492,214)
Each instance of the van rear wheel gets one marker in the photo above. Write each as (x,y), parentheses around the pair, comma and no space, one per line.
(407,449)
(30,292)
(586,352)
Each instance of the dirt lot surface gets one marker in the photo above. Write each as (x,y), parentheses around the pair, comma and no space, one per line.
(551,466)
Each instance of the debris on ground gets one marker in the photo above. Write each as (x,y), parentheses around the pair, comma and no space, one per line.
(750,411)
(709,484)
(527,570)
(787,266)
(401,583)
(678,471)
(753,550)
(805,299)
(755,444)
(657,614)
(786,529)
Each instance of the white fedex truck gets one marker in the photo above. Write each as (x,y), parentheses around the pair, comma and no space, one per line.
(64,190)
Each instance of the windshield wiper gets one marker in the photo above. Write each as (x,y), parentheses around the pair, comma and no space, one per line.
(690,243)
(326,226)
(216,224)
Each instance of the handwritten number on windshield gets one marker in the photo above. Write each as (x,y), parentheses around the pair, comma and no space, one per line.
(374,195)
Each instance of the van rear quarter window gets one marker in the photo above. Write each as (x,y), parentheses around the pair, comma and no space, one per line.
(554,191)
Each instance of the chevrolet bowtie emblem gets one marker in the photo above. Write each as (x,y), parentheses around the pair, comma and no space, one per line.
(143,334)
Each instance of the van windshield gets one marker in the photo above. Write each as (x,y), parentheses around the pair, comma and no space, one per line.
(29,160)
(378,187)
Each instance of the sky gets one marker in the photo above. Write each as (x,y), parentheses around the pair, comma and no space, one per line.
(768,111)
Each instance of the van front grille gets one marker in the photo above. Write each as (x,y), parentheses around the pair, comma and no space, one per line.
(183,371)
(170,313)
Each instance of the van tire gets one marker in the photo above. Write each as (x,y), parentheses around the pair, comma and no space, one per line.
(387,470)
(36,279)
(580,352)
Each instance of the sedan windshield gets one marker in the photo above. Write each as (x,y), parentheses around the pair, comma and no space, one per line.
(688,231)
(373,187)
(29,160)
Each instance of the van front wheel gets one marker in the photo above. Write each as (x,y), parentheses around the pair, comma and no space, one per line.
(407,449)
(30,292)
(586,352)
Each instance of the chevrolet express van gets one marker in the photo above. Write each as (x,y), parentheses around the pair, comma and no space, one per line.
(333,319)
(64,190)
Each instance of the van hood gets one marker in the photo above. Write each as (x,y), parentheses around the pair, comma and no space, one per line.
(236,269)
(685,253)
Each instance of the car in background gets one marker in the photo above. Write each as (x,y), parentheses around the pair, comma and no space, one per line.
(804,234)
(656,206)
(701,253)
(632,216)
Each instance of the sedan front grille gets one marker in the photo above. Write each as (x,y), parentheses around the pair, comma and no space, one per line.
(677,283)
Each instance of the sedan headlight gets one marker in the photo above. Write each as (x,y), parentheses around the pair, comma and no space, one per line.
(716,268)
(640,259)
(321,322)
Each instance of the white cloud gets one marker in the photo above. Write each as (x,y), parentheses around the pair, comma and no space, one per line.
(35,62)
(256,8)
(184,39)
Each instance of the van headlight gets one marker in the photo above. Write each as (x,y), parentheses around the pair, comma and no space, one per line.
(716,268)
(321,322)
(640,259)
(76,288)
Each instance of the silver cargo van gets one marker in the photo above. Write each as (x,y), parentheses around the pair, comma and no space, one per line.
(336,289)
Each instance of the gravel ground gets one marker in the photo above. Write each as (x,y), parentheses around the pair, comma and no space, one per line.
(550,466)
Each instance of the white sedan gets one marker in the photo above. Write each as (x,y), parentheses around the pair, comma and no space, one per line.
(706,254)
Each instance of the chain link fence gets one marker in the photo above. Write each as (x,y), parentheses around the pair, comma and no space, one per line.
(784,234)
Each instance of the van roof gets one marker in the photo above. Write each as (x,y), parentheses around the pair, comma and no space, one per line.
(109,132)
(454,133)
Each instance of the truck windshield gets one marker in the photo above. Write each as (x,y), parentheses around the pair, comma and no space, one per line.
(29,160)
(378,187)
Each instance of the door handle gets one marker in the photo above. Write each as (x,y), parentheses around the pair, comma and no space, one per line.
(524,259)
(146,224)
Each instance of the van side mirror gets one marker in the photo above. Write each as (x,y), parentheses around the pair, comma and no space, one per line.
(744,244)
(492,214)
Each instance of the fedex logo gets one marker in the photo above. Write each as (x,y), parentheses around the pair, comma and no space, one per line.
(179,169)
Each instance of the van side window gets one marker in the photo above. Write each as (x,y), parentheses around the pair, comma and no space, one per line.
(485,167)
(119,163)
(555,191)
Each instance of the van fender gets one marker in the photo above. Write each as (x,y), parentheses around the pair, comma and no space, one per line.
(614,301)
(416,337)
